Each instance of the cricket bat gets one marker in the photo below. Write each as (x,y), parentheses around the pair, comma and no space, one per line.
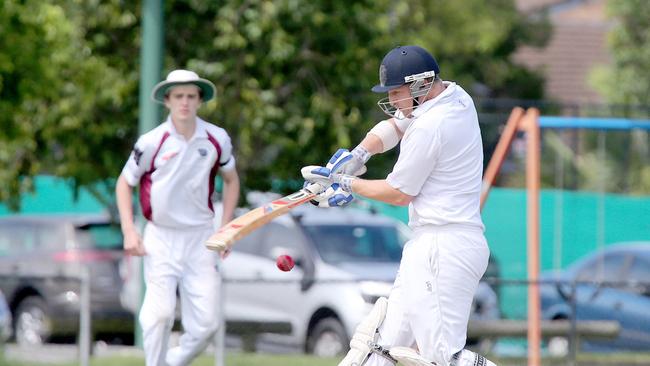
(246,223)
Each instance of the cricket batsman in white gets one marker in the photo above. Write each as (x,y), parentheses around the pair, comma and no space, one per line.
(438,175)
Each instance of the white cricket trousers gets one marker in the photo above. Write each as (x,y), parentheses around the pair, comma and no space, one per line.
(430,303)
(178,258)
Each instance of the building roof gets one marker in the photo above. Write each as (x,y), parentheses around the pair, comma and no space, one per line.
(576,47)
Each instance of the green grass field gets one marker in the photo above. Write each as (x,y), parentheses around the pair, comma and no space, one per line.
(232,359)
(260,359)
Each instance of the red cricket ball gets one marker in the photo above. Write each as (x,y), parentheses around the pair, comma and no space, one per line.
(284,262)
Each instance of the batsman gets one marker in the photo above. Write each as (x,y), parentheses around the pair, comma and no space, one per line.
(438,175)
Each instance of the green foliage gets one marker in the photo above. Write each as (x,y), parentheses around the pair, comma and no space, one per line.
(626,81)
(293,76)
(62,105)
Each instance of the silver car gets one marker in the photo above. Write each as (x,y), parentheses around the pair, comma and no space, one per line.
(345,260)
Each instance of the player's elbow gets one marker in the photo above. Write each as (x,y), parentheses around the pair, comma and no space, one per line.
(402,199)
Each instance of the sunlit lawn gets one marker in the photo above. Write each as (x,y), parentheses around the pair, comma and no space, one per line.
(232,359)
(261,359)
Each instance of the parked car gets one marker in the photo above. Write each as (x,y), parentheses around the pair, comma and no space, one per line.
(345,260)
(41,261)
(626,299)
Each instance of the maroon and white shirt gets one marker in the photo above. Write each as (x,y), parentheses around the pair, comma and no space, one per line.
(176,176)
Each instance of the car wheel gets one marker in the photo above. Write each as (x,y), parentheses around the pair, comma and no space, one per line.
(327,339)
(32,323)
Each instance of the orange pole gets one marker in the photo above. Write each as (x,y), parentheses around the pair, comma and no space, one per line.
(500,152)
(530,123)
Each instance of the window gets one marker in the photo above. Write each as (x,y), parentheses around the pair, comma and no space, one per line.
(282,236)
(639,270)
(99,236)
(50,236)
(16,238)
(356,243)
(604,268)
(250,243)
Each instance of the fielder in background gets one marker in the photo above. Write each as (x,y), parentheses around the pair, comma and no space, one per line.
(175,165)
(438,174)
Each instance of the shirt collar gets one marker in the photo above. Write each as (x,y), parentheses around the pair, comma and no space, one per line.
(447,93)
(199,132)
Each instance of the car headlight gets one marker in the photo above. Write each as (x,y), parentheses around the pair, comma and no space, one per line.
(373,290)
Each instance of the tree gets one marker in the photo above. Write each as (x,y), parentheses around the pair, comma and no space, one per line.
(625,83)
(626,80)
(293,77)
(55,95)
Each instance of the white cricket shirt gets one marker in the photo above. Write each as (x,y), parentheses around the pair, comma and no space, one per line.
(441,161)
(176,176)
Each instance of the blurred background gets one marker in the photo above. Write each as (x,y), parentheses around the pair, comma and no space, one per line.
(293,80)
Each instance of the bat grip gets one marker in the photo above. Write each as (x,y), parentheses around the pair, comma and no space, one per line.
(315,188)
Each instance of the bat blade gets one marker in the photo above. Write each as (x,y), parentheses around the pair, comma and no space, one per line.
(246,223)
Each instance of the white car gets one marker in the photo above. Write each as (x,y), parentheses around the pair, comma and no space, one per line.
(345,259)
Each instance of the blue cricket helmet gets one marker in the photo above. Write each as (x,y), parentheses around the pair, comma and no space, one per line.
(405,64)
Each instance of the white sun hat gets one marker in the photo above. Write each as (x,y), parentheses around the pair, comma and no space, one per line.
(178,77)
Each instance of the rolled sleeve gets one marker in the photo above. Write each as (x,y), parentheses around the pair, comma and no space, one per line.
(229,165)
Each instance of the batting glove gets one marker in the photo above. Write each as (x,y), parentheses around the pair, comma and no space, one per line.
(324,177)
(349,162)
(333,196)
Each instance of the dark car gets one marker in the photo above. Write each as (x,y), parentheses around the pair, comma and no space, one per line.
(41,263)
(610,284)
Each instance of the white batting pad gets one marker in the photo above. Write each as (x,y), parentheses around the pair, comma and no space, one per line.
(365,335)
(469,358)
(409,357)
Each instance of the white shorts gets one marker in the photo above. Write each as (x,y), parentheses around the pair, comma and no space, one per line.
(430,303)
(178,258)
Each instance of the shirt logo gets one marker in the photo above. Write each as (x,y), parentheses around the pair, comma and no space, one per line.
(169,155)
(137,154)
(203,152)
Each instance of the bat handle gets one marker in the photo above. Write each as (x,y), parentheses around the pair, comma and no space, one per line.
(315,188)
(217,245)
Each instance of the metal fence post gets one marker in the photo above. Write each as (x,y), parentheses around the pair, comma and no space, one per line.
(573,333)
(220,336)
(84,318)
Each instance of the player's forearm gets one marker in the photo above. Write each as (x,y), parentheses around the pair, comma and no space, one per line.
(381,191)
(230,197)
(372,143)
(123,196)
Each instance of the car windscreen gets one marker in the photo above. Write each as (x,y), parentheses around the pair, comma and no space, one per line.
(99,236)
(356,243)
(25,237)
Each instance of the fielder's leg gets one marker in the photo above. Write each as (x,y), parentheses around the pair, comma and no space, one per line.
(157,311)
(198,290)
